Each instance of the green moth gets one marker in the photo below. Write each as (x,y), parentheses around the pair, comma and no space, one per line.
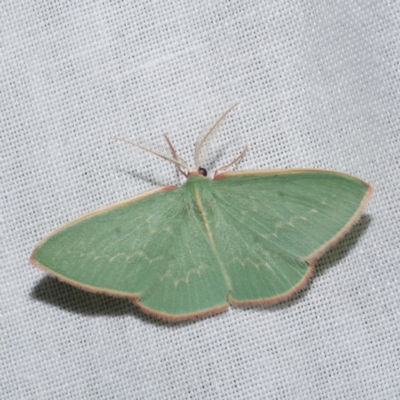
(244,237)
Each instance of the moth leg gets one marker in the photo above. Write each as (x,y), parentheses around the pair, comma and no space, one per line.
(225,167)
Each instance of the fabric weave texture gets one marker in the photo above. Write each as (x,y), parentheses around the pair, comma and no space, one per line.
(318,86)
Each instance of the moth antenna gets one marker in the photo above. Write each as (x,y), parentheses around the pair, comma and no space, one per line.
(201,142)
(225,167)
(173,151)
(172,160)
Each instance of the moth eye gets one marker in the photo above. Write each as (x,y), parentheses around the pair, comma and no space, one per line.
(202,171)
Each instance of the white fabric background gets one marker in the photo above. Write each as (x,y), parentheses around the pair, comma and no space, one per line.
(318,84)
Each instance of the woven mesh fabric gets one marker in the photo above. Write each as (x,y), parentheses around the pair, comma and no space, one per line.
(318,86)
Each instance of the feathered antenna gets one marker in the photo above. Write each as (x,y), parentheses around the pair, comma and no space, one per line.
(199,150)
(201,147)
(179,163)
